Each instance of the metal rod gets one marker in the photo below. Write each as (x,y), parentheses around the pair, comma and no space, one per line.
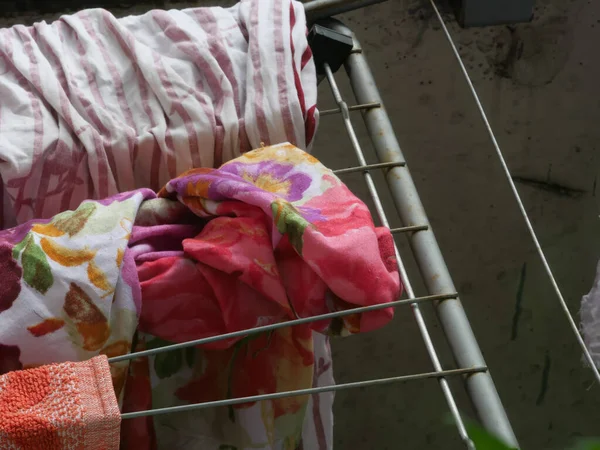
(308,391)
(368,167)
(410,228)
(328,112)
(275,326)
(515,192)
(321,9)
(402,269)
(425,248)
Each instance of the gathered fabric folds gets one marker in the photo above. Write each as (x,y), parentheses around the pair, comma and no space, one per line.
(93,105)
(268,237)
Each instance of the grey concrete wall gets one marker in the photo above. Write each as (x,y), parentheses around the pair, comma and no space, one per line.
(539,84)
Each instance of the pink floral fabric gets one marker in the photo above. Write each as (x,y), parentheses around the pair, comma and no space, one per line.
(271,236)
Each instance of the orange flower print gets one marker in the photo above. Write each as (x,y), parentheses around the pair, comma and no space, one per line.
(118,370)
(65,256)
(268,183)
(89,321)
(47,229)
(46,327)
(97,277)
(120,255)
(68,222)
(286,153)
(198,188)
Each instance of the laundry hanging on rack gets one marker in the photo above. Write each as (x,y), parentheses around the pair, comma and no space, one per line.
(270,236)
(590,318)
(68,406)
(93,105)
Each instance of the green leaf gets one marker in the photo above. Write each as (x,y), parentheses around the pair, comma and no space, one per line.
(72,222)
(290,222)
(17,248)
(588,444)
(168,364)
(36,270)
(227,447)
(483,440)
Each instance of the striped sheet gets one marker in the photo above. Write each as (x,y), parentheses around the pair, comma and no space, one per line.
(91,105)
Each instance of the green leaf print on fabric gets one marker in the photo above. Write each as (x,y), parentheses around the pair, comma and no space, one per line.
(36,270)
(168,363)
(72,222)
(17,249)
(289,222)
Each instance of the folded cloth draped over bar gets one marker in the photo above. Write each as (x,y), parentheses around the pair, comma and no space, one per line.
(270,236)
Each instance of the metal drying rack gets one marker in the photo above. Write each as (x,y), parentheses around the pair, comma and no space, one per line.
(470,363)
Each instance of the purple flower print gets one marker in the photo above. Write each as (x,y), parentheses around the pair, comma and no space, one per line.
(279,179)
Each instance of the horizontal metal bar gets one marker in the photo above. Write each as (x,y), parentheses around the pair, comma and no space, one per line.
(408,229)
(328,112)
(321,9)
(309,391)
(367,167)
(275,326)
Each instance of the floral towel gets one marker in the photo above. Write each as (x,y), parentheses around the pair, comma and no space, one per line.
(270,236)
(67,406)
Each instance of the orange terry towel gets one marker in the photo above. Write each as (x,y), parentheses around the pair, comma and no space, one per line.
(62,406)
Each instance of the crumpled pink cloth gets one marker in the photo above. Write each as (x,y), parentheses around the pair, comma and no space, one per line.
(282,238)
(268,237)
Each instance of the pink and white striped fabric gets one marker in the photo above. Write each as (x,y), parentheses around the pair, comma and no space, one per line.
(92,105)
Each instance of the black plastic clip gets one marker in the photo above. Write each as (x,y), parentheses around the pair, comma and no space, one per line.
(329,46)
